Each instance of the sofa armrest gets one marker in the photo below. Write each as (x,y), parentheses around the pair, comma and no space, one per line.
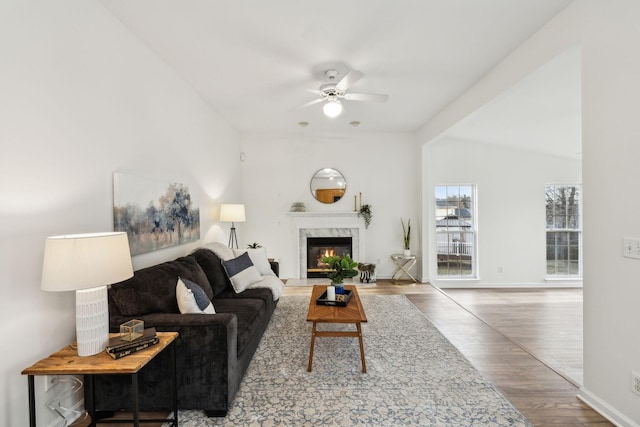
(198,333)
(214,328)
(275,267)
(206,354)
(162,321)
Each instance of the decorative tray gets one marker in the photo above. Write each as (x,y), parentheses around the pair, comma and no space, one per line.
(341,299)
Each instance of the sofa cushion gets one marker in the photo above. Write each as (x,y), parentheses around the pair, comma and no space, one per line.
(256,293)
(251,314)
(241,272)
(153,289)
(212,266)
(192,299)
(258,258)
(268,287)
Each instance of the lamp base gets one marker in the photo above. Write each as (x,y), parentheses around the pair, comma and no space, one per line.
(233,239)
(92,320)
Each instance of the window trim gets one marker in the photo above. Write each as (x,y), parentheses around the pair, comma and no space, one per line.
(578,230)
(473,276)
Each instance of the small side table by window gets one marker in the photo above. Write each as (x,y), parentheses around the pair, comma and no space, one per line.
(403,265)
(67,362)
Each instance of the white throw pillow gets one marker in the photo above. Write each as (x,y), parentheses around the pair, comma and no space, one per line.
(241,272)
(192,298)
(258,258)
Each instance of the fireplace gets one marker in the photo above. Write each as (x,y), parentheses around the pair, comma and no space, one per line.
(307,225)
(318,247)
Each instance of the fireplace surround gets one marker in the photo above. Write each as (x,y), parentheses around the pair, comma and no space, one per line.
(324,224)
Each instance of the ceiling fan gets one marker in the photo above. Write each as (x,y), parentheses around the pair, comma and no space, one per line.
(331,92)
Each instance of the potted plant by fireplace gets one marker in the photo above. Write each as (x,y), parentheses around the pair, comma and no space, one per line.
(406,237)
(342,267)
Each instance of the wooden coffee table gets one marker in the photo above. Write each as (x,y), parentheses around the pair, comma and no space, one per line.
(352,313)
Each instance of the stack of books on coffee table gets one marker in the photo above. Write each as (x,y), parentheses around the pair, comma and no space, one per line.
(118,347)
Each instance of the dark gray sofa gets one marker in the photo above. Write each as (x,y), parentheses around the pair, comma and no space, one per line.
(213,351)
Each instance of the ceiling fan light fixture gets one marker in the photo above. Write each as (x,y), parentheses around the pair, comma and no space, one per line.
(332,108)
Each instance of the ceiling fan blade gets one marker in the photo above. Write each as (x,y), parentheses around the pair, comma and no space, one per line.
(365,97)
(349,79)
(315,92)
(310,103)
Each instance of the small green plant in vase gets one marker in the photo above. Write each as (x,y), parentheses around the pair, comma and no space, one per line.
(342,267)
(254,245)
(406,236)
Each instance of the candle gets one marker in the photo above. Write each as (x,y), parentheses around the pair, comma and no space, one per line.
(331,293)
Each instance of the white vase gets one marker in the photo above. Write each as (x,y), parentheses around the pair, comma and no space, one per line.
(407,252)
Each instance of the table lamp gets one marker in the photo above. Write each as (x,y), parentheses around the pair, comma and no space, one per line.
(86,263)
(232,214)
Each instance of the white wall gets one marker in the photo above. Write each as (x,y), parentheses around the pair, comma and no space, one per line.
(80,99)
(510,213)
(608,34)
(611,76)
(277,172)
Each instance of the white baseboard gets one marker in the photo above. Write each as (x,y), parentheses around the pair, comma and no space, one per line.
(604,409)
(476,284)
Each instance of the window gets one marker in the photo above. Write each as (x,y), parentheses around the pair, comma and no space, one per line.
(455,230)
(564,230)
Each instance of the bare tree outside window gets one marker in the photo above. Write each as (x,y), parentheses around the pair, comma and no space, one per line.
(564,230)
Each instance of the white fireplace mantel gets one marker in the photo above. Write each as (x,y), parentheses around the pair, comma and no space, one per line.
(324,224)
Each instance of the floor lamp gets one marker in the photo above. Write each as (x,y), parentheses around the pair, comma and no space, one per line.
(232,214)
(87,263)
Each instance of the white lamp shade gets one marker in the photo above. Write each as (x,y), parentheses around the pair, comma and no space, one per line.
(232,213)
(82,261)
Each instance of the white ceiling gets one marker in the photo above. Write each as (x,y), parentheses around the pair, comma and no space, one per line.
(253,60)
(542,113)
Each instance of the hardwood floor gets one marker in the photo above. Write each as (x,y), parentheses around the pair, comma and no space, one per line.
(545,322)
(499,341)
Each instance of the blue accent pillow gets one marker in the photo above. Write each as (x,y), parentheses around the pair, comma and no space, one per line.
(241,272)
(192,298)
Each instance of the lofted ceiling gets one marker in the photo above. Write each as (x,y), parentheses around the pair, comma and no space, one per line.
(254,61)
(542,113)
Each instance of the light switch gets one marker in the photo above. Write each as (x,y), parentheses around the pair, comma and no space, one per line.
(631,248)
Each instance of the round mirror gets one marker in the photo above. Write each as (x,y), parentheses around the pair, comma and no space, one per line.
(328,185)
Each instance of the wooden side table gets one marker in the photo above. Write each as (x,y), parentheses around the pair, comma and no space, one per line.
(67,362)
(403,265)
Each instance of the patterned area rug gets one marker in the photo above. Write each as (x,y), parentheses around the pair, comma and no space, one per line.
(414,376)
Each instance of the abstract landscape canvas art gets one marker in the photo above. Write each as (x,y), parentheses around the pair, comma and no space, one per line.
(155,214)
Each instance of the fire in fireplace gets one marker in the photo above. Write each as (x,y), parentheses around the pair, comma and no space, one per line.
(318,247)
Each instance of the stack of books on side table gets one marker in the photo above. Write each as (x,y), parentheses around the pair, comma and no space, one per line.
(118,347)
